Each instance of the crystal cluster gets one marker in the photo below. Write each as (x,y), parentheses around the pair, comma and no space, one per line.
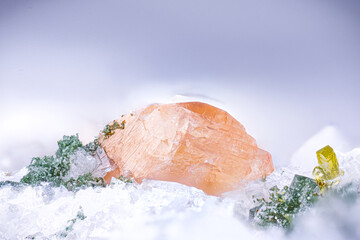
(328,172)
(284,204)
(192,143)
(72,166)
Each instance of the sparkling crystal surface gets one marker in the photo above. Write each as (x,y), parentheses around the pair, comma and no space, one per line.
(156,210)
(328,162)
(328,172)
(191,143)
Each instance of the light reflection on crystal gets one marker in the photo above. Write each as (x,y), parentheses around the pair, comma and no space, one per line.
(327,173)
(164,210)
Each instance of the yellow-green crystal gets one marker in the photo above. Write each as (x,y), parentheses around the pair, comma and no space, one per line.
(328,172)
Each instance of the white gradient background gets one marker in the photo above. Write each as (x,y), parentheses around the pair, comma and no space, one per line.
(284,69)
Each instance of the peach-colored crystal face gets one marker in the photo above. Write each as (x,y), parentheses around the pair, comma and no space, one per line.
(190,143)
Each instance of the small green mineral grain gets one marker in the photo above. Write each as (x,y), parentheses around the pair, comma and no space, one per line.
(283,205)
(109,130)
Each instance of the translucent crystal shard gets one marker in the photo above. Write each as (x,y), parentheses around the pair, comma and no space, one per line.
(302,184)
(192,143)
(328,172)
(328,162)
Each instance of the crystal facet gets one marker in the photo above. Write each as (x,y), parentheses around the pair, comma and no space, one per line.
(283,205)
(191,143)
(328,172)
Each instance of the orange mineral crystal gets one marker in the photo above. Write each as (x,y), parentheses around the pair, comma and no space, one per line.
(190,143)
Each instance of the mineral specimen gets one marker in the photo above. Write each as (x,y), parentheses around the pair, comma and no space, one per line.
(283,205)
(192,143)
(73,166)
(328,172)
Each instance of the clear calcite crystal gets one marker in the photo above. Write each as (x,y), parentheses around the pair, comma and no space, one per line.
(191,143)
(328,172)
